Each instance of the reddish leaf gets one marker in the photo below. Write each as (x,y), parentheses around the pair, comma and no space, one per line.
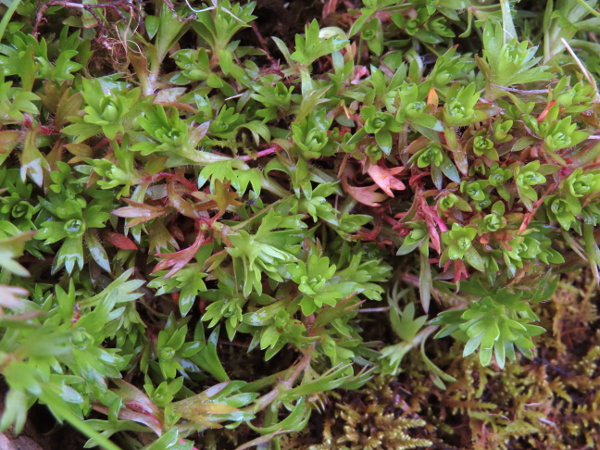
(359,72)
(131,395)
(458,152)
(431,219)
(460,271)
(140,212)
(432,97)
(206,201)
(544,113)
(365,195)
(177,260)
(385,179)
(119,240)
(183,441)
(329,7)
(138,407)
(127,413)
(178,202)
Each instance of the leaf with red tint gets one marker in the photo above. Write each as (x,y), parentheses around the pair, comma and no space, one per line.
(140,212)
(198,133)
(460,270)
(329,7)
(183,441)
(385,178)
(431,219)
(132,395)
(366,195)
(432,98)
(544,113)
(177,261)
(179,203)
(138,407)
(119,240)
(223,197)
(130,413)
(458,152)
(206,201)
(359,72)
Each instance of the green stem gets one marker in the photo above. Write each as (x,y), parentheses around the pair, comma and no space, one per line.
(273,187)
(307,85)
(7,16)
(508,26)
(589,8)
(267,399)
(591,247)
(203,158)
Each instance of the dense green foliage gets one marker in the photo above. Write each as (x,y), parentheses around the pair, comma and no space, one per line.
(169,193)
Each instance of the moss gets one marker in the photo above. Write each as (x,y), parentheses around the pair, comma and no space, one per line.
(550,401)
(372,418)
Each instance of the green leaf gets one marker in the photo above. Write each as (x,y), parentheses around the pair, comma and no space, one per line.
(425,278)
(97,250)
(207,357)
(474,259)
(295,421)
(449,169)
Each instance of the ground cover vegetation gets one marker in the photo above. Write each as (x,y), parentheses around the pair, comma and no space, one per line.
(373,228)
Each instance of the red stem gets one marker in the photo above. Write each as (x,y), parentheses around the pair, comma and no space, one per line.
(260,154)
(176,177)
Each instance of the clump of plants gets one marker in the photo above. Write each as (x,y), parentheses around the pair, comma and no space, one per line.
(549,400)
(197,221)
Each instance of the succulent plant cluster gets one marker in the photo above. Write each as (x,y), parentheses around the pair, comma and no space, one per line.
(168,192)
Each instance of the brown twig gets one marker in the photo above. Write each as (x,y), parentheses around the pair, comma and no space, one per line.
(179,19)
(521,91)
(115,5)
